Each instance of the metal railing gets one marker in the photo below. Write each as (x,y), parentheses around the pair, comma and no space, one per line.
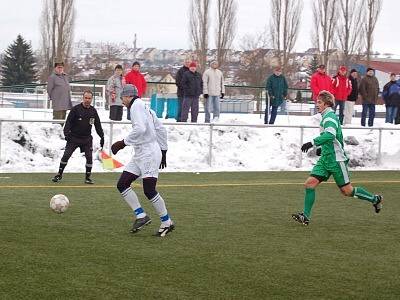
(212,127)
(254,94)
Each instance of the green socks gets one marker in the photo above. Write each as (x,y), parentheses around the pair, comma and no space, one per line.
(360,193)
(309,202)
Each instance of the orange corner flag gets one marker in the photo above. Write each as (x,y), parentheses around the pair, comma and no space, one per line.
(108,162)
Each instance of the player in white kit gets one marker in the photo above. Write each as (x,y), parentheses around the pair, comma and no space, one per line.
(149,140)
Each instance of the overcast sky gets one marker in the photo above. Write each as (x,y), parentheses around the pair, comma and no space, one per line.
(164,23)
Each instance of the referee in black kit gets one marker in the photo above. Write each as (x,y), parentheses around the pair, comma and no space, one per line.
(78,134)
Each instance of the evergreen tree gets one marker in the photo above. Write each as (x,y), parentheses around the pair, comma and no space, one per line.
(18,63)
(313,65)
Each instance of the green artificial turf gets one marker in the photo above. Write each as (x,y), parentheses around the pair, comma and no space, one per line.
(234,239)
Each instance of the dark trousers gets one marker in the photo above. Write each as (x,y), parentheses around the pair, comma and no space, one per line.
(341,110)
(180,101)
(391,113)
(190,103)
(85,145)
(274,112)
(370,109)
(116,112)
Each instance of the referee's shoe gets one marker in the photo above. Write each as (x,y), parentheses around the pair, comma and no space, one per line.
(56,178)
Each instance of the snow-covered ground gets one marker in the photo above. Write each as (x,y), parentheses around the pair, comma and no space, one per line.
(38,147)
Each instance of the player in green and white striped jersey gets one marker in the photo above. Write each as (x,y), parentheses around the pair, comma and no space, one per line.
(333,161)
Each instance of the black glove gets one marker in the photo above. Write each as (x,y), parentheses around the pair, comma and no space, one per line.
(163,159)
(307,146)
(102,142)
(222,95)
(117,146)
(318,152)
(205,96)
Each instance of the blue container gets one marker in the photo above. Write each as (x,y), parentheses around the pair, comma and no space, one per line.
(157,104)
(172,108)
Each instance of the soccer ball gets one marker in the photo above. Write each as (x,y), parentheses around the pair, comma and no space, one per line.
(59,203)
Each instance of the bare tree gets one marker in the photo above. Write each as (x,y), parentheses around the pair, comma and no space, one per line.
(350,30)
(324,16)
(46,38)
(57,27)
(254,67)
(284,27)
(372,11)
(225,28)
(199,25)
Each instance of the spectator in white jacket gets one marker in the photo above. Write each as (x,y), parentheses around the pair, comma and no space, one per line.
(213,91)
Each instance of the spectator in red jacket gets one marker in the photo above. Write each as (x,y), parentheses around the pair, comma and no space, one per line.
(136,78)
(320,81)
(341,90)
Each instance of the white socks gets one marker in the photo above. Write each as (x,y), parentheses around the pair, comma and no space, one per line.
(131,198)
(159,206)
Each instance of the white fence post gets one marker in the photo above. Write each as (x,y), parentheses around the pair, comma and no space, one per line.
(379,159)
(110,137)
(301,143)
(210,145)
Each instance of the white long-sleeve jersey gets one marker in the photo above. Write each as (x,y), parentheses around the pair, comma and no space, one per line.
(146,127)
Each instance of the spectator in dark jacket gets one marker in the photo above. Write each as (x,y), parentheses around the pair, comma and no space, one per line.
(192,84)
(369,90)
(341,87)
(391,96)
(352,98)
(178,82)
(277,89)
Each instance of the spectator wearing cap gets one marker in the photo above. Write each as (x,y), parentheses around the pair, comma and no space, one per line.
(192,84)
(320,81)
(351,98)
(277,89)
(369,90)
(136,78)
(213,91)
(114,88)
(178,82)
(59,92)
(341,87)
(391,96)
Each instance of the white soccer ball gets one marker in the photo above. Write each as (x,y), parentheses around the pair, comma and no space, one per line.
(59,203)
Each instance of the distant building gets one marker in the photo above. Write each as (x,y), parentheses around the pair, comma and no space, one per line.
(162,76)
(84,48)
(149,54)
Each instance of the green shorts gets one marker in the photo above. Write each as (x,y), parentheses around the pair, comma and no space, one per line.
(338,169)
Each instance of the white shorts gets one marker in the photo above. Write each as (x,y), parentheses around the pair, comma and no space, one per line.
(146,161)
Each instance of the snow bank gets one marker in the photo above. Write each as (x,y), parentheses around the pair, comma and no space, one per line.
(38,147)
